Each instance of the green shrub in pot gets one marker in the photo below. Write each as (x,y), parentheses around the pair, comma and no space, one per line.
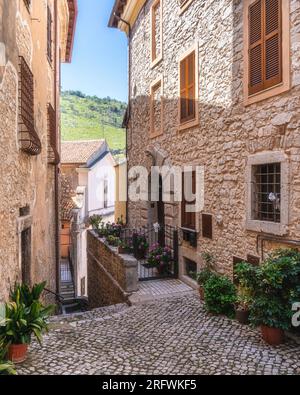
(205,273)
(275,286)
(220,295)
(245,275)
(113,241)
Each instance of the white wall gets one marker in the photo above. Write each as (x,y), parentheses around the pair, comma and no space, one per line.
(103,170)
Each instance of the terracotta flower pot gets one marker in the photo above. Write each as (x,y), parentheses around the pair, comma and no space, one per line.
(272,336)
(122,250)
(201,293)
(17,353)
(242,316)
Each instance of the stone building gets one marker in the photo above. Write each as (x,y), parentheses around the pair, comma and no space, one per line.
(35,36)
(216,84)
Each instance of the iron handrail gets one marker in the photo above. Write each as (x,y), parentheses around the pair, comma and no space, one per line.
(59,297)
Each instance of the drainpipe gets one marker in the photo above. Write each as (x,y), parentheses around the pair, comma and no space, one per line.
(56,167)
(129,98)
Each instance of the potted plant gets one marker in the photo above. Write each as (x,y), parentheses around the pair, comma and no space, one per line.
(102,230)
(24,316)
(95,221)
(246,279)
(242,304)
(205,273)
(115,229)
(273,316)
(220,295)
(275,289)
(140,245)
(123,247)
(202,278)
(160,258)
(113,241)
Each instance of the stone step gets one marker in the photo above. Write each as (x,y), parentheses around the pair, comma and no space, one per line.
(67,286)
(99,314)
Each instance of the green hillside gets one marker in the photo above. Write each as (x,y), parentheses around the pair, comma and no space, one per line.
(90,117)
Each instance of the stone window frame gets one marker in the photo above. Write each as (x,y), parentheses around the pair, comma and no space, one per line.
(281,228)
(285,85)
(154,133)
(184,6)
(158,59)
(195,122)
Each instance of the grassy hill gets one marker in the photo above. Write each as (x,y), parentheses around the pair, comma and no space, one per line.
(90,117)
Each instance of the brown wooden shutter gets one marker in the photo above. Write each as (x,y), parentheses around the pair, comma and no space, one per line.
(265,45)
(49,34)
(183,106)
(273,43)
(187,88)
(188,219)
(207,230)
(256,83)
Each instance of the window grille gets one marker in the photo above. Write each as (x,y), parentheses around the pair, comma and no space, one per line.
(28,137)
(267,192)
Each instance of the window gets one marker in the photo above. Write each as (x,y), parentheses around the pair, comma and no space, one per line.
(207,228)
(266,191)
(188,89)
(105,194)
(190,268)
(28,138)
(156,109)
(188,219)
(49,34)
(267,197)
(156,32)
(266,43)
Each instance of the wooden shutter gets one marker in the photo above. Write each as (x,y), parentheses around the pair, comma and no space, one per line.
(256,47)
(265,45)
(273,43)
(207,230)
(188,88)
(49,34)
(188,219)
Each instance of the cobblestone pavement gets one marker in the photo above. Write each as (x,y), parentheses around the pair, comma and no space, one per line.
(170,336)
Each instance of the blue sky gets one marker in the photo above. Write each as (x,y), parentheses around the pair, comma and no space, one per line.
(99,64)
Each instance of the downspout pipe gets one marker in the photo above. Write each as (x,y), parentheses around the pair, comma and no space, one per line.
(129,97)
(56,167)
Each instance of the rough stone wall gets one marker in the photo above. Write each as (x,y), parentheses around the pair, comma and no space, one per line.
(111,277)
(228,132)
(25,180)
